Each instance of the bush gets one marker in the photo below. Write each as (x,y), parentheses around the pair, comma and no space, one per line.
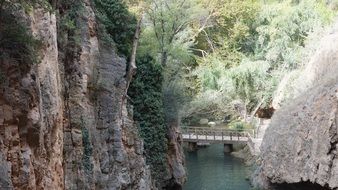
(69,25)
(87,150)
(239,125)
(16,42)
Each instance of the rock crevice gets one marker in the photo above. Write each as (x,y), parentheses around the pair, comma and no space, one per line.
(61,125)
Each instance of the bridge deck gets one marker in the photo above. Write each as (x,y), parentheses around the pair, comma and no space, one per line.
(213,139)
(215,135)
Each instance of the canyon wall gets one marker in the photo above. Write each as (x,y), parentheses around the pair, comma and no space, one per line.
(64,123)
(300,146)
(31,114)
(176,159)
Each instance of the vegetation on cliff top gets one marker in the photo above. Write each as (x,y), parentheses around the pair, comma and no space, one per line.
(118,23)
(220,58)
(16,41)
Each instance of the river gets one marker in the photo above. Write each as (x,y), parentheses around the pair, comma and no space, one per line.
(210,169)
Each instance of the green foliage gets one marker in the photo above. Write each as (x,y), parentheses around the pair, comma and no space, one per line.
(247,50)
(239,125)
(211,68)
(87,147)
(236,23)
(68,25)
(29,4)
(250,80)
(171,27)
(16,42)
(118,22)
(146,94)
(209,104)
(282,29)
(174,98)
(168,36)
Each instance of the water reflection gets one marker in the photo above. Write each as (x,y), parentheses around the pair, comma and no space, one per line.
(210,169)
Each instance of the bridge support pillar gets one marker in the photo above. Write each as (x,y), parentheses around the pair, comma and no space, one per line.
(228,148)
(192,146)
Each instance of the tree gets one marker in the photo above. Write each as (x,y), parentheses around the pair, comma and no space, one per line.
(253,44)
(250,81)
(169,19)
(232,25)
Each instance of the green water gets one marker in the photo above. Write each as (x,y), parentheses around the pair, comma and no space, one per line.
(210,169)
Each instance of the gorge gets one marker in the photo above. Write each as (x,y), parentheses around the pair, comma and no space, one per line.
(64,122)
(100,94)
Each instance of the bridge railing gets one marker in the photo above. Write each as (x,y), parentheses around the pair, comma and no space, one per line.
(199,133)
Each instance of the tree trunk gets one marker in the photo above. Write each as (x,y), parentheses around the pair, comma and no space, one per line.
(164,58)
(255,110)
(132,63)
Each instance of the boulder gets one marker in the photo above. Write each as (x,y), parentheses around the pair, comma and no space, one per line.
(204,121)
(212,124)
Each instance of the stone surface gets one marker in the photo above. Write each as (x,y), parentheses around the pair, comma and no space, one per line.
(63,121)
(301,143)
(102,149)
(31,121)
(203,121)
(211,124)
(177,174)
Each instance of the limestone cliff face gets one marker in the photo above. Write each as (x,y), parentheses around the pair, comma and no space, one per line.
(31,137)
(301,143)
(101,146)
(175,157)
(63,124)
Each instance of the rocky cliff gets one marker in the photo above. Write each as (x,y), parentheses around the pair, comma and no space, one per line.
(63,121)
(175,158)
(300,146)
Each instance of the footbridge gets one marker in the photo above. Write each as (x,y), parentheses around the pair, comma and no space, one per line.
(228,137)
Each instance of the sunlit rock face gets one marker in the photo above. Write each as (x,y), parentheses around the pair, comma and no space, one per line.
(31,114)
(177,174)
(321,66)
(63,122)
(102,149)
(301,143)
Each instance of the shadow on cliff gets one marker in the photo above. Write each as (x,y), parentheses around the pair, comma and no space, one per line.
(174,187)
(299,186)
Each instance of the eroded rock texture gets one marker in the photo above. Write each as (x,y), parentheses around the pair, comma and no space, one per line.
(101,145)
(177,176)
(31,137)
(301,143)
(63,122)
